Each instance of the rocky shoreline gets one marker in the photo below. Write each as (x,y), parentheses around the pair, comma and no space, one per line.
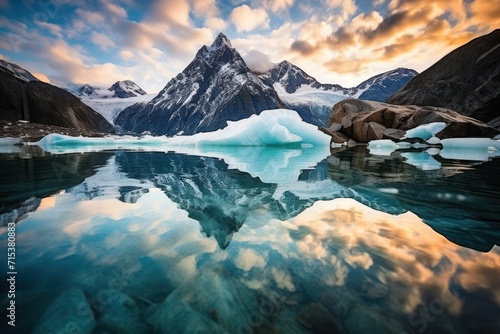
(32,132)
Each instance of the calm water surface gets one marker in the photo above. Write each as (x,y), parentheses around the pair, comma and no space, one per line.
(252,240)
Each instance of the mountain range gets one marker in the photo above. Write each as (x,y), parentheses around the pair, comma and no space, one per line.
(218,86)
(120,89)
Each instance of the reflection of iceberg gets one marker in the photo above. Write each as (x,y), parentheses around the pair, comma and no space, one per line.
(271,128)
(421,160)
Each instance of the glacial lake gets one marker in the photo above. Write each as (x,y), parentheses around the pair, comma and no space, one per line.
(251,240)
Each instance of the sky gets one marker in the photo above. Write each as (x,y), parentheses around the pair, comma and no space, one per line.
(150,42)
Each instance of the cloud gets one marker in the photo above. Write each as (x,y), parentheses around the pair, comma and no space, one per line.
(248,258)
(126,55)
(90,17)
(248,19)
(280,5)
(486,12)
(303,47)
(258,62)
(346,7)
(215,23)
(51,27)
(115,9)
(103,41)
(169,12)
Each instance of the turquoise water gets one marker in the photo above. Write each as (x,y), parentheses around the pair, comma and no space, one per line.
(252,240)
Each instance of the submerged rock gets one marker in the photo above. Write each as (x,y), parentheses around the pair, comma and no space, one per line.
(317,318)
(208,303)
(69,313)
(118,313)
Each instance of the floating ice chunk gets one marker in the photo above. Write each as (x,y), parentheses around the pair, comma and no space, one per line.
(433,140)
(278,127)
(421,160)
(7,141)
(9,145)
(386,146)
(382,147)
(457,153)
(471,143)
(425,131)
(404,144)
(472,149)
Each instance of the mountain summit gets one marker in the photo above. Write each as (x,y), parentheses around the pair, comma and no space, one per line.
(216,87)
(120,89)
(126,88)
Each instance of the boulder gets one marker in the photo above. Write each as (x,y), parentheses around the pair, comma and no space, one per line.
(363,121)
(393,134)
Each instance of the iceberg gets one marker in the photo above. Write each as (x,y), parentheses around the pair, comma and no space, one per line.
(425,131)
(278,127)
(386,146)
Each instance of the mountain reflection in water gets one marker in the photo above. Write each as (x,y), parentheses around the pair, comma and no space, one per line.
(259,240)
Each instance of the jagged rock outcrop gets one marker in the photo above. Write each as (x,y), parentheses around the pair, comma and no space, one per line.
(42,103)
(363,121)
(466,80)
(216,87)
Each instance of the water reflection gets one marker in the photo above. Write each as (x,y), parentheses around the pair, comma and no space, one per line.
(25,179)
(168,242)
(221,197)
(459,200)
(358,268)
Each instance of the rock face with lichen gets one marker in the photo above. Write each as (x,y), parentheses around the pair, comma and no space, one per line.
(363,121)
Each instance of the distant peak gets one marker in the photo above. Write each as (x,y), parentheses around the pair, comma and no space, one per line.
(221,41)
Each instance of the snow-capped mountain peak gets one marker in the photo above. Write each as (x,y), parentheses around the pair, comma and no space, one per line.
(216,87)
(120,89)
(220,42)
(380,87)
(126,88)
(87,90)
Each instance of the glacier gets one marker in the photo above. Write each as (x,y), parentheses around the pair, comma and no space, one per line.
(277,127)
